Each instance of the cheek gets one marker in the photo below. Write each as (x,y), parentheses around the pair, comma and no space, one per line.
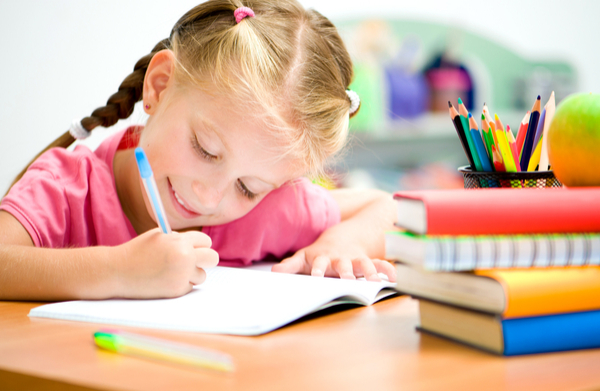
(237,207)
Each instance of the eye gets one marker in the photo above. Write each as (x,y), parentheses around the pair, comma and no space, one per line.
(244,190)
(201,151)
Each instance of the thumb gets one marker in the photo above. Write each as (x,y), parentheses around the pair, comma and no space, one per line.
(294,264)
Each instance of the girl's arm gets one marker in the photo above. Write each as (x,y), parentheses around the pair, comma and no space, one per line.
(149,266)
(355,247)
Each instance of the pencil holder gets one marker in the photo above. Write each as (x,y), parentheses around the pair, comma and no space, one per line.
(515,180)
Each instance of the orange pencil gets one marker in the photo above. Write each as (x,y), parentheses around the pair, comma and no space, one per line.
(484,122)
(499,124)
(491,124)
(522,132)
(498,164)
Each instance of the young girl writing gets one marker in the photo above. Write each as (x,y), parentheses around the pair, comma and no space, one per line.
(244,99)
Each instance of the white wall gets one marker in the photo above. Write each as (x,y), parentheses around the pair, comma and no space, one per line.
(62,59)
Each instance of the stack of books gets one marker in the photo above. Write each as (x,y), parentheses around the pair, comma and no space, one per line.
(508,271)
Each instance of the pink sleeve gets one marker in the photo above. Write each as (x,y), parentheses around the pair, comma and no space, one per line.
(288,219)
(38,200)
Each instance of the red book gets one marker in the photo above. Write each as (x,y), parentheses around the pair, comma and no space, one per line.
(499,211)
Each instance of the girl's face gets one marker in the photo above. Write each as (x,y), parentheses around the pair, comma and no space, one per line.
(212,159)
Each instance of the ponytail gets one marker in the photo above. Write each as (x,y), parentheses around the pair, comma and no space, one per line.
(119,106)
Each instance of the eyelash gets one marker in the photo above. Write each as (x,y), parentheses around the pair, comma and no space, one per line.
(239,184)
(244,190)
(201,151)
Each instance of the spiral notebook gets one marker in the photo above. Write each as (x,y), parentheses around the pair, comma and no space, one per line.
(470,252)
(231,301)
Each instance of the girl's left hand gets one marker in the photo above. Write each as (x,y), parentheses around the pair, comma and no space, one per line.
(351,248)
(322,259)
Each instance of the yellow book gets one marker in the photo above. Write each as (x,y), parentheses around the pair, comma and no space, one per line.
(508,293)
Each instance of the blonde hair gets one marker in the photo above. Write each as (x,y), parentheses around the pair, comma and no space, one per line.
(287,59)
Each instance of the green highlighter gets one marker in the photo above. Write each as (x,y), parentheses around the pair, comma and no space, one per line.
(161,350)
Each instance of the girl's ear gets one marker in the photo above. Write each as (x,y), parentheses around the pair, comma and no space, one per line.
(158,78)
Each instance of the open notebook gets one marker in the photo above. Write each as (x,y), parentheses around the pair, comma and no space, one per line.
(231,301)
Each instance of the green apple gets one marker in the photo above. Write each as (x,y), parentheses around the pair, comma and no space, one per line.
(574,141)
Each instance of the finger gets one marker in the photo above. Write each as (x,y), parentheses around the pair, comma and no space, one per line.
(197,239)
(344,269)
(386,268)
(294,264)
(198,276)
(206,258)
(366,268)
(319,266)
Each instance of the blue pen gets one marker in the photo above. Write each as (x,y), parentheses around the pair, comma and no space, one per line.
(151,190)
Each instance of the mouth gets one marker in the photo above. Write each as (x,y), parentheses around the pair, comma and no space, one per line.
(181,205)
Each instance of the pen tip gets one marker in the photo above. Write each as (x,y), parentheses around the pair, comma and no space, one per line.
(460,101)
(449,104)
(496,116)
(482,116)
(507,128)
(539,97)
(470,115)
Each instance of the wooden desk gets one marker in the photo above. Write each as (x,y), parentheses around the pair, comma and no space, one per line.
(370,348)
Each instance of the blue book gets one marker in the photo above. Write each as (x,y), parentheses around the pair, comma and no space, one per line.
(510,337)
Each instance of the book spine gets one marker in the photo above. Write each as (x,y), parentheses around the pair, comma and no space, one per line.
(448,253)
(504,211)
(552,333)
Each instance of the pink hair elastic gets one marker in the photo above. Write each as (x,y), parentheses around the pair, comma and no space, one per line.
(241,13)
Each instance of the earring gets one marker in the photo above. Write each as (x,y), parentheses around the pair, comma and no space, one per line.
(147,106)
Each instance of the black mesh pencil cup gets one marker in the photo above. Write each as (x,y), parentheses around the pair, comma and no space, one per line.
(515,180)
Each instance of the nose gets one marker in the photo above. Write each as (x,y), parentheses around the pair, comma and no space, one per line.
(209,193)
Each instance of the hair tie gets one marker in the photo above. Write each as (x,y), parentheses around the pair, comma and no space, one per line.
(241,13)
(354,100)
(78,131)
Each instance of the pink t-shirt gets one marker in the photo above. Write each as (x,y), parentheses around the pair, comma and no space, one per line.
(69,199)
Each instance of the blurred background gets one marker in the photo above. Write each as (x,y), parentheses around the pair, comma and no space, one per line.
(62,59)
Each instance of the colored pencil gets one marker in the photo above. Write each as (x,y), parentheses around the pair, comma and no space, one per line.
(486,112)
(490,123)
(486,164)
(530,136)
(540,128)
(550,109)
(499,166)
(498,163)
(535,157)
(461,134)
(505,151)
(499,125)
(487,136)
(464,115)
(522,132)
(513,147)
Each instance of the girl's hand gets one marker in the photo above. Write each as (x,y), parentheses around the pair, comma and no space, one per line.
(345,261)
(353,247)
(155,264)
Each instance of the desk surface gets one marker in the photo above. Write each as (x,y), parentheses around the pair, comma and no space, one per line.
(367,348)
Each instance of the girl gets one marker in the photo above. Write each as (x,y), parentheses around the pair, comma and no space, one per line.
(243,100)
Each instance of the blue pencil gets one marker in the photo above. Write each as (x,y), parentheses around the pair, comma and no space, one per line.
(484,159)
(530,136)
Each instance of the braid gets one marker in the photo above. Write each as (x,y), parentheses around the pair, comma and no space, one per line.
(120,105)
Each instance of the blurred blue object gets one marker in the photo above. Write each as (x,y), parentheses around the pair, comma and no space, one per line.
(408,93)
